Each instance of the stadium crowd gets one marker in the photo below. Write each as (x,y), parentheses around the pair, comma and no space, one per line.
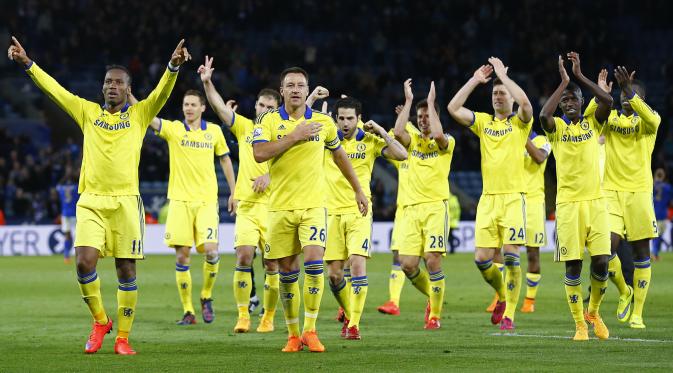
(251,51)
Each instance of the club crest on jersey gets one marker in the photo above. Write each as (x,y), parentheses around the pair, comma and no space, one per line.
(124,116)
(208,136)
(584,125)
(361,147)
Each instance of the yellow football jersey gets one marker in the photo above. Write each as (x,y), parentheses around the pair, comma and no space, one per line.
(402,170)
(248,169)
(112,142)
(576,151)
(429,169)
(297,175)
(502,142)
(191,153)
(362,151)
(629,142)
(534,171)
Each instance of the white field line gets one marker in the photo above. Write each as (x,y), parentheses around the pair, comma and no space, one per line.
(569,337)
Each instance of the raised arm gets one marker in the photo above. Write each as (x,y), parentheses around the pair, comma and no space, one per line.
(459,113)
(264,150)
(436,131)
(393,150)
(539,155)
(70,103)
(151,106)
(525,112)
(341,160)
(604,99)
(228,169)
(156,121)
(400,129)
(223,111)
(650,118)
(319,93)
(549,107)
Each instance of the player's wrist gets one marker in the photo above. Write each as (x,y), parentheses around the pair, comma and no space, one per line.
(173,67)
(27,63)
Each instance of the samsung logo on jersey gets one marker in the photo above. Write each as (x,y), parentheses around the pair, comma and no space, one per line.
(421,155)
(356,155)
(625,130)
(580,138)
(196,144)
(497,133)
(112,127)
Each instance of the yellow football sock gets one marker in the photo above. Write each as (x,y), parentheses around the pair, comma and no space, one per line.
(210,269)
(396,283)
(347,275)
(513,284)
(616,275)
(573,287)
(436,293)
(421,281)
(314,284)
(127,297)
(642,275)
(501,268)
(183,278)
(290,298)
(493,277)
(358,296)
(532,284)
(270,294)
(342,293)
(242,281)
(89,286)
(599,283)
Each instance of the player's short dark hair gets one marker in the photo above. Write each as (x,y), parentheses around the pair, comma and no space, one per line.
(641,87)
(347,103)
(497,81)
(194,92)
(293,70)
(423,104)
(573,87)
(119,67)
(268,92)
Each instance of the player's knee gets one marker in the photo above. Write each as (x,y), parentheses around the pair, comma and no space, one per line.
(573,268)
(599,264)
(335,277)
(433,262)
(408,267)
(212,256)
(243,259)
(270,265)
(396,257)
(85,266)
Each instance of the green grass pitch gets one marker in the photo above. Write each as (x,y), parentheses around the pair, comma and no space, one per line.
(45,325)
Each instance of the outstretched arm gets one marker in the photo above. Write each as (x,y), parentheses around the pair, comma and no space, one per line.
(70,103)
(525,112)
(649,117)
(547,111)
(400,130)
(265,150)
(459,113)
(436,131)
(156,121)
(341,160)
(393,150)
(223,111)
(151,106)
(604,99)
(228,169)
